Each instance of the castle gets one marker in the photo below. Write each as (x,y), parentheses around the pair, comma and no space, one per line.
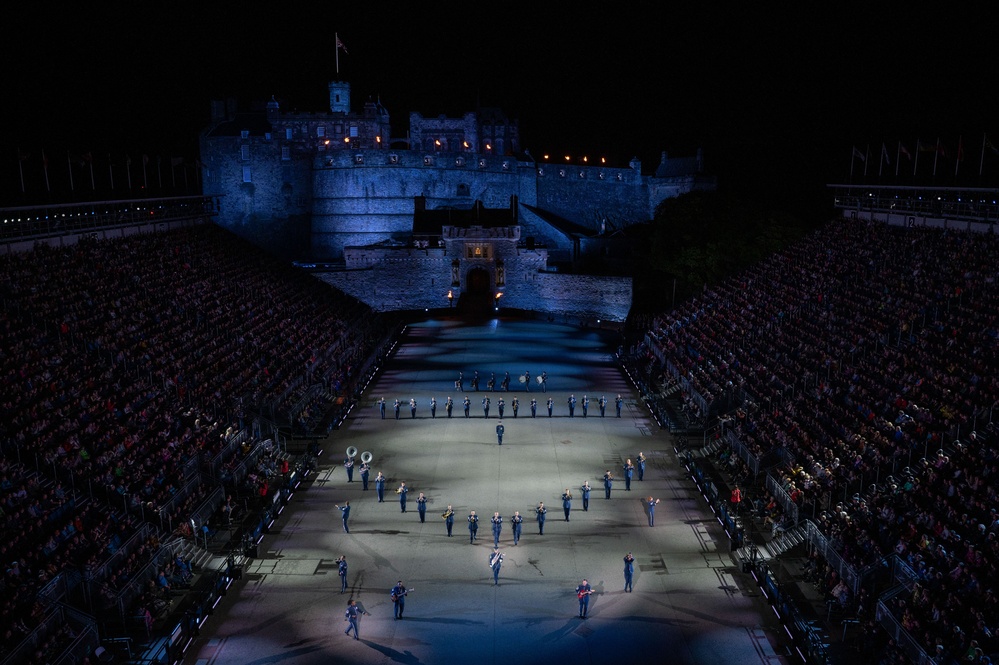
(455,211)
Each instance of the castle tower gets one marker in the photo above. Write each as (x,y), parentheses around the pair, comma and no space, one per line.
(339,97)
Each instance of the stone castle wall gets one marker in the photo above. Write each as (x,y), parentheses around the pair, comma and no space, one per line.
(413,278)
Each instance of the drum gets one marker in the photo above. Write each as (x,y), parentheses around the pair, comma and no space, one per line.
(539,379)
(523,379)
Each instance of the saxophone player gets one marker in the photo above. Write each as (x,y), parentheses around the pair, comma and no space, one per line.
(448,517)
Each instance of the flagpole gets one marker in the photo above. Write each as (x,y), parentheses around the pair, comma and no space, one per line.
(915,162)
(128,171)
(853,158)
(20,162)
(45,165)
(960,149)
(881,161)
(69,165)
(336,50)
(867,155)
(898,158)
(935,156)
(111,171)
(981,162)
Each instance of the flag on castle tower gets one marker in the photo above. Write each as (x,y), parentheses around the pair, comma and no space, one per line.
(337,49)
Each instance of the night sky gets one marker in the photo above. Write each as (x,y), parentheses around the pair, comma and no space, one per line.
(776,95)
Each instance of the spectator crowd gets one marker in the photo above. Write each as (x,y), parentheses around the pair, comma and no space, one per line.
(868,355)
(127,366)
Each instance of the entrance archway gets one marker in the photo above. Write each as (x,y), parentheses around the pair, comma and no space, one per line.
(478,295)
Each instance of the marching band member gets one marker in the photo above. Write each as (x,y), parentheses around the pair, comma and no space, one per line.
(585,491)
(517,521)
(495,562)
(541,511)
(473,527)
(566,502)
(497,522)
(448,517)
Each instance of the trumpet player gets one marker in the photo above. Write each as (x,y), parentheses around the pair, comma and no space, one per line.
(497,522)
(517,522)
(541,511)
(473,527)
(421,506)
(566,503)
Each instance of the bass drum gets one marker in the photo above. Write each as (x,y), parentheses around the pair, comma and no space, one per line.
(522,379)
(539,379)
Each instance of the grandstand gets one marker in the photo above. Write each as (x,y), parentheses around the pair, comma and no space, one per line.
(161,388)
(167,386)
(851,380)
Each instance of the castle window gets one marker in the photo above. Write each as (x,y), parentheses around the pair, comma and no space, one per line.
(482,163)
(246,174)
(358,159)
(463,190)
(244,152)
(245,134)
(428,161)
(619,177)
(287,133)
(285,153)
(267,136)
(459,162)
(582,174)
(393,158)
(353,131)
(321,131)
(561,173)
(473,251)
(506,166)
(541,172)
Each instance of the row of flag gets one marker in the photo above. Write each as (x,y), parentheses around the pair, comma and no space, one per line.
(940,150)
(80,166)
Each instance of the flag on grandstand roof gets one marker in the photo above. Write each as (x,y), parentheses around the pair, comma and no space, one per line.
(884,152)
(859,155)
(339,45)
(905,151)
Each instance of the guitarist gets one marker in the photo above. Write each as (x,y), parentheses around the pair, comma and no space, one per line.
(583,592)
(399,593)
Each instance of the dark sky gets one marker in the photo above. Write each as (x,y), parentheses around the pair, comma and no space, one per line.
(776,94)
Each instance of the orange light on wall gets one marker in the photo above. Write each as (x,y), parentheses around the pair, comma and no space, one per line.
(567,158)
(346,139)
